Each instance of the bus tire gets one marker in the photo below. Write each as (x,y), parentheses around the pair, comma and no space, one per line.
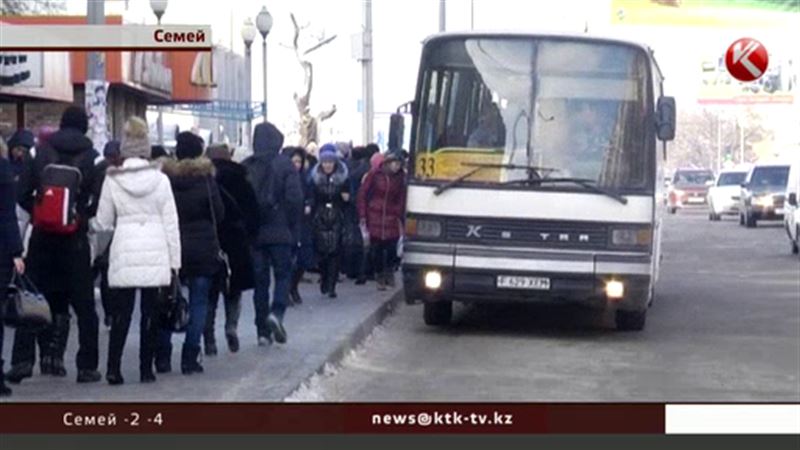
(630,320)
(438,314)
(673,210)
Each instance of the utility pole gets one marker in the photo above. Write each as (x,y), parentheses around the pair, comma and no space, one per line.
(471,14)
(366,63)
(442,16)
(96,81)
(719,142)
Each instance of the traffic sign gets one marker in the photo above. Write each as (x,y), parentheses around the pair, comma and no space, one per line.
(747,59)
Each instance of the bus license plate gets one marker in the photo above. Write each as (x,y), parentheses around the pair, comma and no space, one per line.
(696,200)
(515,282)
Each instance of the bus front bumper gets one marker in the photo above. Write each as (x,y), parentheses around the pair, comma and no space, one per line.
(561,278)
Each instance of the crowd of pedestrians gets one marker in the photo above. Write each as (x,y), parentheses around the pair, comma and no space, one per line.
(141,220)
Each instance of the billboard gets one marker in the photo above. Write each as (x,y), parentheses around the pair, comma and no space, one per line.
(705,31)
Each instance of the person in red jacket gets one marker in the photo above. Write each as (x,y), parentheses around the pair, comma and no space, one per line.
(381,205)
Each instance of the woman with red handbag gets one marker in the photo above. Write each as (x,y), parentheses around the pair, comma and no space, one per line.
(10,243)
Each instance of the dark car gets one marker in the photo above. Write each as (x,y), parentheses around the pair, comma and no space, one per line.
(689,187)
(763,194)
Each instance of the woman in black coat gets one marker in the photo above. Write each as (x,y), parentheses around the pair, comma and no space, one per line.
(236,232)
(199,205)
(10,243)
(303,253)
(329,195)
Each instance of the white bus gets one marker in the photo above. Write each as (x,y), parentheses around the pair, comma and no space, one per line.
(534,173)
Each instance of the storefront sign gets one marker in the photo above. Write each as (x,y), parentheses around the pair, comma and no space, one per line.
(21,69)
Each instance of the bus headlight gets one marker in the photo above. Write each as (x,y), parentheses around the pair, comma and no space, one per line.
(423,228)
(433,279)
(631,237)
(615,290)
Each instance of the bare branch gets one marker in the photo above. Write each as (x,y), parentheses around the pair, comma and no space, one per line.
(320,44)
(325,115)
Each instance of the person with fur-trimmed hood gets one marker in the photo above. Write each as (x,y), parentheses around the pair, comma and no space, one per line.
(138,205)
(330,192)
(199,205)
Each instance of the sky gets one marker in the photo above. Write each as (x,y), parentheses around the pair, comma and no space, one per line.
(399,29)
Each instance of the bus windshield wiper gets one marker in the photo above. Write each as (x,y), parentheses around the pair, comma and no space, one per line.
(583,182)
(533,171)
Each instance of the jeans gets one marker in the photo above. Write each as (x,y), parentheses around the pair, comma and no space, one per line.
(278,258)
(199,288)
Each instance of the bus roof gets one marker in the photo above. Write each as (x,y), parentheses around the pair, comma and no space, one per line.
(519,34)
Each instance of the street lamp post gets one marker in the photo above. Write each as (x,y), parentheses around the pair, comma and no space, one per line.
(159,7)
(264,25)
(248,35)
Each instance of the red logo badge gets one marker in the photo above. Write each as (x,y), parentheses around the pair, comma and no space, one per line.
(747,59)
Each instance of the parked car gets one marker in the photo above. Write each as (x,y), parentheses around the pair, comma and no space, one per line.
(723,196)
(689,187)
(791,214)
(763,194)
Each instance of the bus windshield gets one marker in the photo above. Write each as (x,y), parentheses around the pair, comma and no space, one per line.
(572,109)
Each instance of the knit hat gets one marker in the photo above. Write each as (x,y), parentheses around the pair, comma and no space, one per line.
(75,117)
(21,138)
(111,149)
(135,142)
(328,153)
(188,145)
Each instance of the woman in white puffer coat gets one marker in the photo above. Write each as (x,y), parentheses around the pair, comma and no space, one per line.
(137,203)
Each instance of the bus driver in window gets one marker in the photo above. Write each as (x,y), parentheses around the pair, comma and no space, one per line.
(490,132)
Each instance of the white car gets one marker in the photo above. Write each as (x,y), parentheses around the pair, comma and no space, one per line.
(723,195)
(791,215)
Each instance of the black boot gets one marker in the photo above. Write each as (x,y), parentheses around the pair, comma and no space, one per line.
(114,378)
(5,391)
(46,365)
(189,360)
(58,344)
(209,340)
(19,372)
(233,309)
(164,359)
(210,343)
(294,292)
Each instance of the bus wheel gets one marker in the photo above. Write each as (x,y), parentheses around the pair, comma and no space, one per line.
(673,210)
(630,320)
(438,313)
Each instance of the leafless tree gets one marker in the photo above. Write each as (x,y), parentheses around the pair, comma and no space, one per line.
(308,125)
(696,138)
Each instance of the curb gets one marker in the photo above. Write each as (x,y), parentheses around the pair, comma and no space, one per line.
(355,337)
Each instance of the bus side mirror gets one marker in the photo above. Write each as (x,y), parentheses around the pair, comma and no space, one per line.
(396,131)
(665,118)
(792,199)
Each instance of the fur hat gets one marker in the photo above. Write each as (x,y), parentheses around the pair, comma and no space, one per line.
(188,145)
(75,117)
(135,142)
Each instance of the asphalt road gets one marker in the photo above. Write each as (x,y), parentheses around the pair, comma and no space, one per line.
(725,326)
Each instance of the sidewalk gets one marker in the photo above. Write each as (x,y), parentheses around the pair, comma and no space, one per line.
(320,331)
